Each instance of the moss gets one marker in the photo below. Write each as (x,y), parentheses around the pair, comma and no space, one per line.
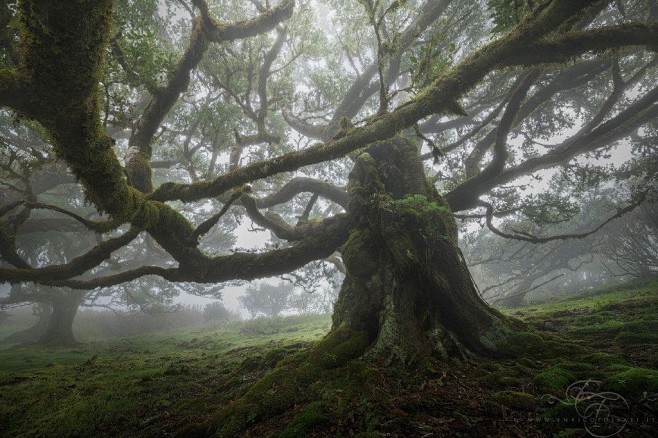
(633,383)
(509,342)
(554,381)
(433,216)
(601,358)
(278,391)
(638,332)
(311,416)
(358,254)
(498,380)
(520,401)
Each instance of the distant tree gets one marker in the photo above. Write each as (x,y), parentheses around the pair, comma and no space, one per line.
(631,247)
(266,299)
(44,312)
(216,311)
(304,302)
(507,269)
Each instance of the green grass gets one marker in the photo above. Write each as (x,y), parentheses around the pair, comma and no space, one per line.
(143,383)
(170,383)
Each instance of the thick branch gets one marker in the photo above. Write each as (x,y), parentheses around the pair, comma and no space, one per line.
(328,236)
(436,98)
(75,267)
(573,44)
(299,185)
(220,32)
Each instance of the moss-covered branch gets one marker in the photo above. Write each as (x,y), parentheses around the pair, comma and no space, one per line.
(564,47)
(204,31)
(326,237)
(139,153)
(221,31)
(436,98)
(300,185)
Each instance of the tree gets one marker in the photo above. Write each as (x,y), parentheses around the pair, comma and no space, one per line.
(216,311)
(262,102)
(507,269)
(268,299)
(631,248)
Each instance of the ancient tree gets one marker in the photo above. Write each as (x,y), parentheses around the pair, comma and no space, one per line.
(263,114)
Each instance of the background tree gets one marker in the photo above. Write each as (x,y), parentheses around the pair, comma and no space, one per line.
(216,312)
(266,299)
(631,247)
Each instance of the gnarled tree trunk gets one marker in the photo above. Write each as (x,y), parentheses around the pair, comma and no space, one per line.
(407,284)
(60,326)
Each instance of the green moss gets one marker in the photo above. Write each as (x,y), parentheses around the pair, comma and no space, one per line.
(277,391)
(633,383)
(311,416)
(601,358)
(510,342)
(520,401)
(639,332)
(554,381)
(434,216)
(358,255)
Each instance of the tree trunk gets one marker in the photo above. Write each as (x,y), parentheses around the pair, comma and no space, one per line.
(60,326)
(32,334)
(407,285)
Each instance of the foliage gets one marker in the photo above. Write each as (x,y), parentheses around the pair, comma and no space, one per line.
(216,312)
(266,299)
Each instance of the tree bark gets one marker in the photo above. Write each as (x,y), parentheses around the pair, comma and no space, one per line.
(407,285)
(60,327)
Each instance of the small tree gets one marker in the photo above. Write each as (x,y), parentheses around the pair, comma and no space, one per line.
(267,299)
(216,312)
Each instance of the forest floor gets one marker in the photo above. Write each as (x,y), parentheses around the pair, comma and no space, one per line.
(592,371)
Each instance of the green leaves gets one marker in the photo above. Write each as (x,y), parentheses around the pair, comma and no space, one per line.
(507,13)
(431,59)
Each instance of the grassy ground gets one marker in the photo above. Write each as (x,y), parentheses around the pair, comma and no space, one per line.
(170,384)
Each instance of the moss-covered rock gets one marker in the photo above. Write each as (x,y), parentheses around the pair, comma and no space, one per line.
(633,383)
(312,415)
(520,401)
(602,359)
(554,381)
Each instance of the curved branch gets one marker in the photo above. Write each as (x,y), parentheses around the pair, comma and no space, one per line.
(436,98)
(328,236)
(466,195)
(75,267)
(536,239)
(204,31)
(301,184)
(96,226)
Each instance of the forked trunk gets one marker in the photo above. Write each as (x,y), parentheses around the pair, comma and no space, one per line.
(407,284)
(60,326)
